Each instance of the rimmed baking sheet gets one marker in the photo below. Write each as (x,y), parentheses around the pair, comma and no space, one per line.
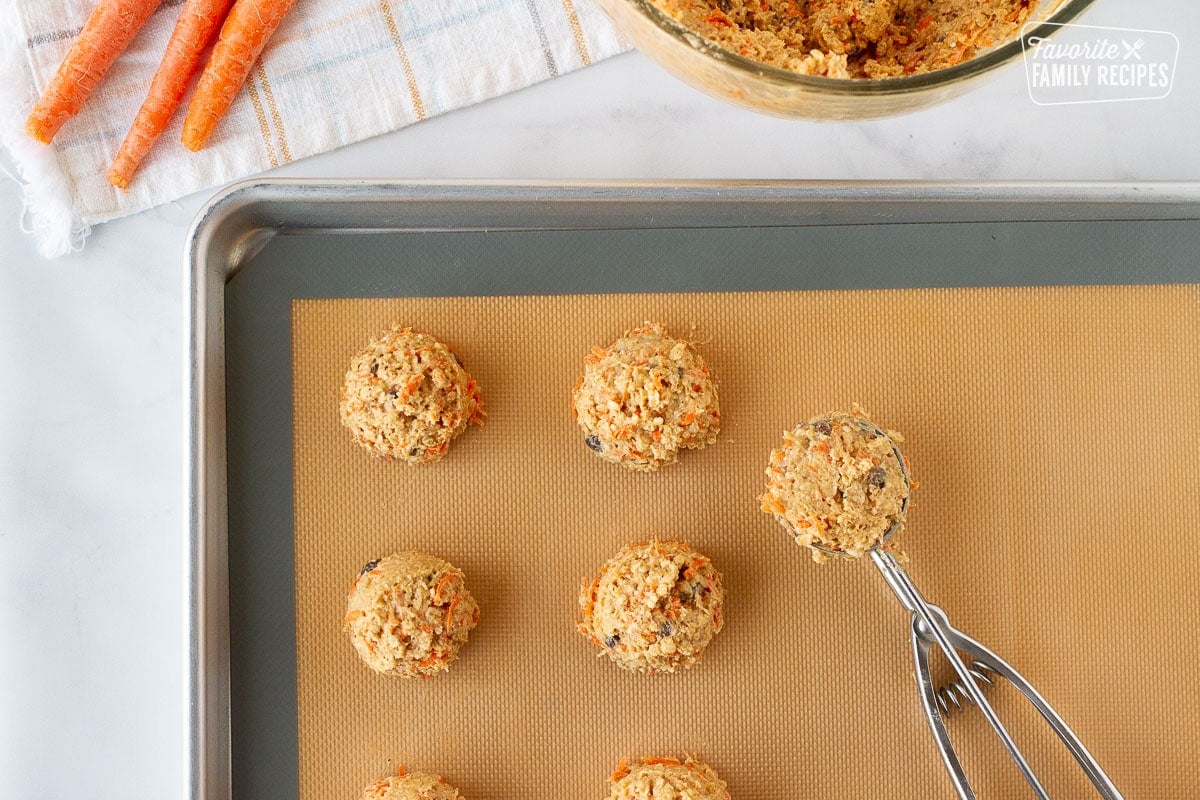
(1116,334)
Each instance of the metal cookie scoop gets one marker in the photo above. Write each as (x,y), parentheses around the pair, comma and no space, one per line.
(931,626)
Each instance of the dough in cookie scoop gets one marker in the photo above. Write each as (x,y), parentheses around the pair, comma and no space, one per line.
(838,485)
(654,607)
(644,398)
(409,614)
(411,786)
(666,778)
(406,396)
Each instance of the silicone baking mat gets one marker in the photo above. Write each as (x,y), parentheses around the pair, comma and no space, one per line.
(1054,433)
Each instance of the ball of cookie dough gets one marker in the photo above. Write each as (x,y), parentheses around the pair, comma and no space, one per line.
(406,396)
(411,786)
(644,398)
(666,779)
(654,607)
(409,614)
(837,483)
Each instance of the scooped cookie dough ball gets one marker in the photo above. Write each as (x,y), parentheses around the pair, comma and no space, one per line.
(654,607)
(411,786)
(406,396)
(666,779)
(644,398)
(409,614)
(838,483)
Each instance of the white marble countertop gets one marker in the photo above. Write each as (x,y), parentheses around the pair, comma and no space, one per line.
(91,347)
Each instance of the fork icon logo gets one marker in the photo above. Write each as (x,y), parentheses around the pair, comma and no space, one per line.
(1133,50)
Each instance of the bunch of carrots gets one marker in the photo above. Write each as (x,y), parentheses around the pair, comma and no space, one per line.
(245,26)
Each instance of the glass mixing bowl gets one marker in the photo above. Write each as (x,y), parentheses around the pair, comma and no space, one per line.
(739,80)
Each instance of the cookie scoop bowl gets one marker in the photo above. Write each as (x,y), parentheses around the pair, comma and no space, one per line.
(744,82)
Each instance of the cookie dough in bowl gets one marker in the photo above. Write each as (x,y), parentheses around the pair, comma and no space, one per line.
(837,485)
(654,607)
(406,396)
(411,786)
(644,398)
(666,778)
(837,59)
(409,614)
(854,38)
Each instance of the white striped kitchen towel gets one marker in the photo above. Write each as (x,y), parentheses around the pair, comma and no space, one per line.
(336,72)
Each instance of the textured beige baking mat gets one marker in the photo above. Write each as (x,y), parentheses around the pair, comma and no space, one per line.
(1056,437)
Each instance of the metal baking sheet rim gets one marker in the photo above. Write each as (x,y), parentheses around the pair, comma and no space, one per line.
(233,226)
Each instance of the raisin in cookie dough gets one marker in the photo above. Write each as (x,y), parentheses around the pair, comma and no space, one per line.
(666,779)
(654,607)
(406,396)
(854,38)
(411,786)
(837,483)
(644,398)
(409,614)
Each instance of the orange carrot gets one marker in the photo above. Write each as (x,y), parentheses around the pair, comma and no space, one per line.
(197,26)
(243,36)
(107,33)
(450,611)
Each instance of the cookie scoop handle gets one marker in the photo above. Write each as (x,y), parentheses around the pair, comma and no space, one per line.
(930,627)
